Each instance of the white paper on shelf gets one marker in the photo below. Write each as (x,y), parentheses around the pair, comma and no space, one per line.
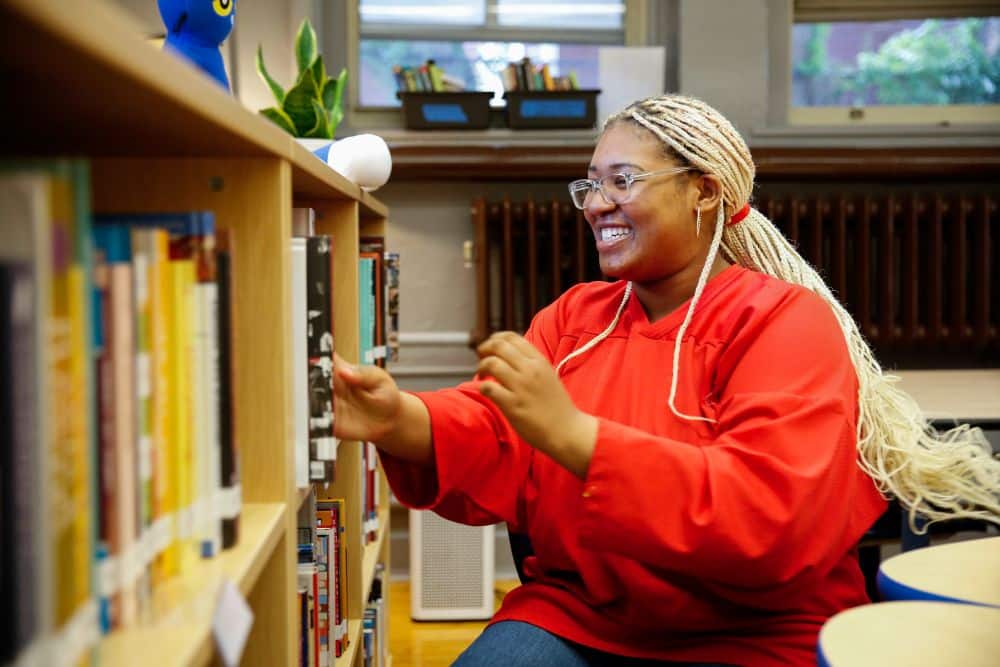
(379,352)
(231,623)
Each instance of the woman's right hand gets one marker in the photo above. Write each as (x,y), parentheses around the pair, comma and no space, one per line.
(367,402)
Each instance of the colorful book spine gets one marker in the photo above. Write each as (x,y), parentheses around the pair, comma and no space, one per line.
(392,306)
(122,569)
(229,469)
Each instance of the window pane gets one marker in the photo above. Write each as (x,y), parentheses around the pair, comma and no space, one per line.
(920,62)
(424,12)
(581,14)
(477,64)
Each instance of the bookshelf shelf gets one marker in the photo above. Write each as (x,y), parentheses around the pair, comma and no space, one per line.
(159,136)
(185,605)
(126,97)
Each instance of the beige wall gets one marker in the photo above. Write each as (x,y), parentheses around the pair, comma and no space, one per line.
(724,57)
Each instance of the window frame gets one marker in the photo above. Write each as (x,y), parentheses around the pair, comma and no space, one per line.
(638,31)
(892,118)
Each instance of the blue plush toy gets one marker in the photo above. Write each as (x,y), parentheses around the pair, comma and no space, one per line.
(196,28)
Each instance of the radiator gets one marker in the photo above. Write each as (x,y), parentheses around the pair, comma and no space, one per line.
(919,271)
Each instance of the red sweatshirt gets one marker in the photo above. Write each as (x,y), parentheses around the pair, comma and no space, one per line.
(691,541)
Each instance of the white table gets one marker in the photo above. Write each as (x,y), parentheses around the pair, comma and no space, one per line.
(967,571)
(964,395)
(928,634)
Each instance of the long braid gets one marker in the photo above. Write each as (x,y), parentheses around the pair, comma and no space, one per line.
(935,475)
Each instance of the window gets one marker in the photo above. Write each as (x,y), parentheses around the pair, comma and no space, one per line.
(863,61)
(471,41)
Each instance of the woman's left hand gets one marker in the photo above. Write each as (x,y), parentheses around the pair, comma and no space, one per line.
(524,385)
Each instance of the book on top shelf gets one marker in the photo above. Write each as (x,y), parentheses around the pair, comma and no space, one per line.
(46,252)
(24,279)
(120,519)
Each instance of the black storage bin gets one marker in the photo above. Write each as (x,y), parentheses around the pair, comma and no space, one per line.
(528,109)
(446,111)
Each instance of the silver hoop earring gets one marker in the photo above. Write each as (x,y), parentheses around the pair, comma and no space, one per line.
(697,222)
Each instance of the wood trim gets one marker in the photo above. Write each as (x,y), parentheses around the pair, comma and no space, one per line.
(526,162)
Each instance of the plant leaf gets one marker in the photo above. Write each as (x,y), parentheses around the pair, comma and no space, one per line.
(299,104)
(334,105)
(276,89)
(319,72)
(305,46)
(322,128)
(279,118)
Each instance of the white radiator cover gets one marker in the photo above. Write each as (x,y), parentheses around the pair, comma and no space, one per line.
(451,569)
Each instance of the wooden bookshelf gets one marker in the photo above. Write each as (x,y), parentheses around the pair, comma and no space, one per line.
(161,136)
(182,633)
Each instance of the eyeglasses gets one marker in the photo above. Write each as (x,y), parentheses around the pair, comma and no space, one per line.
(616,188)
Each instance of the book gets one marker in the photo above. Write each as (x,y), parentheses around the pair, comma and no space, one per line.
(319,341)
(150,247)
(229,460)
(392,306)
(309,580)
(300,366)
(56,207)
(26,575)
(121,522)
(325,545)
(373,248)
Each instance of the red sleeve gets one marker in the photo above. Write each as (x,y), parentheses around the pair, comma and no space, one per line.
(479,462)
(776,496)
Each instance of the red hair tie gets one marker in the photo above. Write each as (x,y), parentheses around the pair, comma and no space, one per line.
(739,215)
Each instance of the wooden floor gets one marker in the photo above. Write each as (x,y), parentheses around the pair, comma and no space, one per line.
(425,644)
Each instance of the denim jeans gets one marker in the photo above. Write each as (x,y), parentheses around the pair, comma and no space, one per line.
(517,644)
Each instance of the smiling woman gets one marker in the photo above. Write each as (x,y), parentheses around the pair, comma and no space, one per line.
(695,449)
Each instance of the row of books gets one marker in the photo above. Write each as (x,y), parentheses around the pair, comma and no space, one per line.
(322,584)
(119,468)
(426,78)
(523,75)
(312,300)
(323,591)
(168,474)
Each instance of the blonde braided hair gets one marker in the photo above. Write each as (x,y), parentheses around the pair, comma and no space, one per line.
(937,476)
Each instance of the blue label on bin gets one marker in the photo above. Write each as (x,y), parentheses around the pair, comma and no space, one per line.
(554,108)
(444,113)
